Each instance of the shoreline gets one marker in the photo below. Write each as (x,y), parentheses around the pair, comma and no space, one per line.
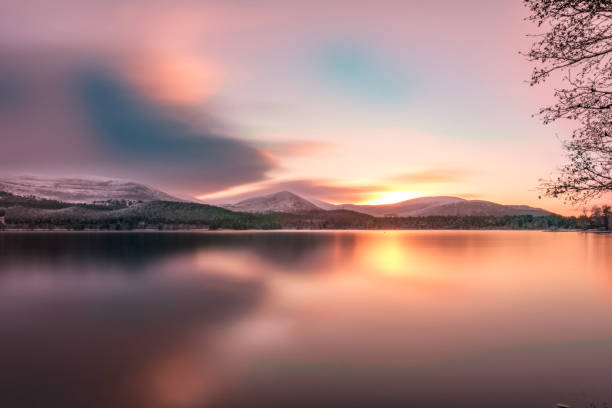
(207,230)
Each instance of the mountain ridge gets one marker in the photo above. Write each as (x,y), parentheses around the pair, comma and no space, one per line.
(104,190)
(417,207)
(31,213)
(82,190)
(282,201)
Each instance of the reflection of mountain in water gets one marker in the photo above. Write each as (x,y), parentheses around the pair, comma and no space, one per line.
(134,251)
(73,311)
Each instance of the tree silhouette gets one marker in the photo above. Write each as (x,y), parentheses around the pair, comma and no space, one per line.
(577,43)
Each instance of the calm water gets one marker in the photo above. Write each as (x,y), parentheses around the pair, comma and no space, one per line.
(309,319)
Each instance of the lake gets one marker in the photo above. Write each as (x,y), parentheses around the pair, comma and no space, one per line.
(305,319)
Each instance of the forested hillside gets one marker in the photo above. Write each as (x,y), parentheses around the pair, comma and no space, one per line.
(35,213)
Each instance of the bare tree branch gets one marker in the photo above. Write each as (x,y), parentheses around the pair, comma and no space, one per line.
(577,43)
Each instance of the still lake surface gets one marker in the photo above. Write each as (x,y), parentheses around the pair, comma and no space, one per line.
(305,319)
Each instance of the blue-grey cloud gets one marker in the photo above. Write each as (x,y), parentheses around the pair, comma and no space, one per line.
(138,132)
(57,117)
(357,73)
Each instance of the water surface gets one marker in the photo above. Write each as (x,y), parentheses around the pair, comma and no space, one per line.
(305,319)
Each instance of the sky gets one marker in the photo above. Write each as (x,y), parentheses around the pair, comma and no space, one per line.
(343,101)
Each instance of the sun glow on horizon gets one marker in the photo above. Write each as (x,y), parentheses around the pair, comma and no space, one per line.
(391,197)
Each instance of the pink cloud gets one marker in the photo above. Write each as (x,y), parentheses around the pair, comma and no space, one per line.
(434,176)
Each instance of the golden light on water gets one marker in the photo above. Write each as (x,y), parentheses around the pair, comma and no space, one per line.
(388,256)
(391,259)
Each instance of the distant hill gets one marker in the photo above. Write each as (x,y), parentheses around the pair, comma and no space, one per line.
(77,203)
(479,208)
(80,190)
(409,208)
(35,213)
(101,190)
(284,201)
(324,205)
(31,212)
(443,206)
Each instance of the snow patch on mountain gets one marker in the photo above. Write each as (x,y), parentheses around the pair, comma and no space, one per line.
(283,201)
(81,190)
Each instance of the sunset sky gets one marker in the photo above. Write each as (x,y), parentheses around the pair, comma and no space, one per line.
(344,101)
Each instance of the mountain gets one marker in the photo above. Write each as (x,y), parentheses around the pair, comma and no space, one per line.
(418,207)
(96,190)
(284,201)
(36,213)
(79,190)
(409,208)
(324,205)
(481,208)
(444,206)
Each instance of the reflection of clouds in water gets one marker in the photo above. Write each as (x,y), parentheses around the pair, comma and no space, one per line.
(239,264)
(138,319)
(597,245)
(83,117)
(94,343)
(289,318)
(291,251)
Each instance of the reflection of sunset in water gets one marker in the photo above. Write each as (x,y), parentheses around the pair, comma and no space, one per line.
(229,264)
(264,318)
(388,256)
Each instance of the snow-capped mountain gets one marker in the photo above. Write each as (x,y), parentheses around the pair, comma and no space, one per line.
(443,206)
(479,208)
(81,190)
(92,190)
(418,207)
(408,208)
(283,201)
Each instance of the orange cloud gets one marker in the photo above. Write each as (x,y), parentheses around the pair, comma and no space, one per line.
(176,78)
